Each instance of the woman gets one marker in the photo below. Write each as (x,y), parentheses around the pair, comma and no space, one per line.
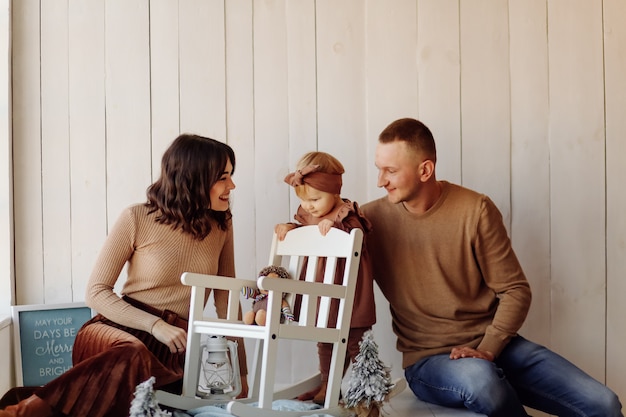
(185,226)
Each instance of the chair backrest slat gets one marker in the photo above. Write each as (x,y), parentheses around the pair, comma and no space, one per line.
(311,257)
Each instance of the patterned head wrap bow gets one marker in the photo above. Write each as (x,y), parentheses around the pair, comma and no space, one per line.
(310,175)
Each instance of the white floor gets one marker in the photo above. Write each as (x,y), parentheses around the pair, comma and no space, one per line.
(406,404)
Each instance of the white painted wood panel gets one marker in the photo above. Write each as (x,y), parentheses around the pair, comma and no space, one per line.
(485,100)
(391,75)
(530,157)
(438,72)
(164,78)
(202,68)
(341,89)
(615,82)
(127,60)
(87,133)
(577,183)
(27,187)
(271,121)
(55,155)
(6,178)
(302,101)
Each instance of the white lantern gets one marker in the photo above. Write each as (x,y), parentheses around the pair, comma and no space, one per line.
(219,370)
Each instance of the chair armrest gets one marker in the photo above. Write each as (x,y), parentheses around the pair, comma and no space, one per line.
(200,282)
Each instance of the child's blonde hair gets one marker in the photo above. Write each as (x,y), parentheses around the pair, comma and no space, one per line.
(327,164)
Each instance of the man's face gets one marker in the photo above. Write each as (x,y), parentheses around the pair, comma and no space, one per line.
(398,171)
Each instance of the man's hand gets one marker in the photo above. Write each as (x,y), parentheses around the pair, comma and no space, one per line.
(173,337)
(468,352)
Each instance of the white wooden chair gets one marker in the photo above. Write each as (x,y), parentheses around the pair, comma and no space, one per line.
(301,243)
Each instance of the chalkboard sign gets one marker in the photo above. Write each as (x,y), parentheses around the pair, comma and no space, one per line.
(44,339)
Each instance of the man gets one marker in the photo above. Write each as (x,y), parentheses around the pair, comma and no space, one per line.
(457,293)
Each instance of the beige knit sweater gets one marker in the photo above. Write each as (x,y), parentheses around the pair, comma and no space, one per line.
(156,255)
(450,275)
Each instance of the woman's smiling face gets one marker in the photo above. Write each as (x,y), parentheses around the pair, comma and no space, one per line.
(220,191)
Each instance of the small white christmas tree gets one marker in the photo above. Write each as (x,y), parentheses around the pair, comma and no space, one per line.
(370,381)
(145,404)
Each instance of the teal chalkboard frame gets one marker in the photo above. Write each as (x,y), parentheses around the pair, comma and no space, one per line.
(44,337)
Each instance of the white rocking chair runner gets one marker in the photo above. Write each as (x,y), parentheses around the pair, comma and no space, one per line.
(301,243)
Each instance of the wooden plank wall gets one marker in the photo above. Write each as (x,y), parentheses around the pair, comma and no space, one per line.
(6,209)
(526,99)
(615,150)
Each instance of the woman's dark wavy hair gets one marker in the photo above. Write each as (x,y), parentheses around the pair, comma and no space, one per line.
(181,196)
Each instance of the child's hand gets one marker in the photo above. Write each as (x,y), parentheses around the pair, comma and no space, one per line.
(281,229)
(324,226)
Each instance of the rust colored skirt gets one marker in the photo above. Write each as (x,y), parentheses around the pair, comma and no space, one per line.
(110,360)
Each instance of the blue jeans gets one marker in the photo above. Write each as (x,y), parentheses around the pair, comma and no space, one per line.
(525,373)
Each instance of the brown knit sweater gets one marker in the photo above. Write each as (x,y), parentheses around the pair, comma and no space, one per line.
(450,275)
(157,255)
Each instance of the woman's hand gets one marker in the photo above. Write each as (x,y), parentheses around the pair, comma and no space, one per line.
(468,352)
(173,337)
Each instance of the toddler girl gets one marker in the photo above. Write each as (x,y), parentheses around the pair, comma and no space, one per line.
(317,183)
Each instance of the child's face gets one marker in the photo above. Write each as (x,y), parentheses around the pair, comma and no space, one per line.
(318,203)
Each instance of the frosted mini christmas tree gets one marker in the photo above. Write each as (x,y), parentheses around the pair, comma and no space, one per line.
(370,382)
(145,404)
